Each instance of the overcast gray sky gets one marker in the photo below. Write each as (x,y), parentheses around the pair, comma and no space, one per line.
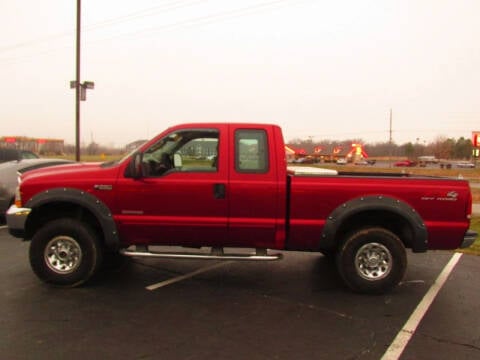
(320,69)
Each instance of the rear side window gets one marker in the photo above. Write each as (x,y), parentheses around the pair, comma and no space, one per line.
(251,151)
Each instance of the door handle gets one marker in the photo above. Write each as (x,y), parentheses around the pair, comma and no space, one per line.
(219,191)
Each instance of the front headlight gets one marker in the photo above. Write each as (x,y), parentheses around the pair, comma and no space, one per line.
(18,194)
(18,197)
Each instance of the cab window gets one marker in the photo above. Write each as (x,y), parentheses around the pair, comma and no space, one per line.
(251,151)
(193,150)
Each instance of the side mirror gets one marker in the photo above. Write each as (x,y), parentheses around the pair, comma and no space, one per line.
(135,168)
(177,161)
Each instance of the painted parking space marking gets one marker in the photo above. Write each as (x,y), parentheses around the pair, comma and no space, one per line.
(403,337)
(187,276)
(3,227)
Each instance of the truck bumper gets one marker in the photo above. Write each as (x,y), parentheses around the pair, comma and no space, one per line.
(468,239)
(16,218)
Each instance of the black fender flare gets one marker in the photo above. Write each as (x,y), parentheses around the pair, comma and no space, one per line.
(83,199)
(356,206)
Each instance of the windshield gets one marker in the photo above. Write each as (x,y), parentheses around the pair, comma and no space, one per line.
(115,162)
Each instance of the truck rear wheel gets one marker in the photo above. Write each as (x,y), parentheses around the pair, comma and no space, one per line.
(65,252)
(372,260)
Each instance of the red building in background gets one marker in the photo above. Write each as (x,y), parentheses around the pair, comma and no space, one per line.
(37,145)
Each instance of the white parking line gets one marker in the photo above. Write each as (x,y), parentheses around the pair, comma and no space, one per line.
(187,276)
(3,227)
(403,337)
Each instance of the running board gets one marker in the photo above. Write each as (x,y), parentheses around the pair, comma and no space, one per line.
(215,254)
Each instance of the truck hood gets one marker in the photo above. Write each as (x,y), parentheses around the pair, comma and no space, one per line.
(75,171)
(87,177)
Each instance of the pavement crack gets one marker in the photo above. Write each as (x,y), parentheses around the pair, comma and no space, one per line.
(450,342)
(309,306)
(158,268)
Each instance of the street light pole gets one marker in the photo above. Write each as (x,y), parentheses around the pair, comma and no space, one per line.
(80,88)
(390,141)
(77,84)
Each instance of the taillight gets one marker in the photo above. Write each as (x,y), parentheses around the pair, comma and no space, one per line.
(469,205)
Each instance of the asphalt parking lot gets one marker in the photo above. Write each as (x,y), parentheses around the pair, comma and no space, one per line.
(295,308)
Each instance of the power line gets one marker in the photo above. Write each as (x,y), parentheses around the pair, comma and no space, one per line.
(175,5)
(209,19)
(172,5)
(34,41)
(193,22)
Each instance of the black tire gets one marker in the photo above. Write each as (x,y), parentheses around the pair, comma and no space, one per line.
(65,252)
(372,260)
(113,260)
(329,254)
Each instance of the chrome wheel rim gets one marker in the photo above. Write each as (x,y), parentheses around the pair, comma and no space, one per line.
(373,261)
(63,254)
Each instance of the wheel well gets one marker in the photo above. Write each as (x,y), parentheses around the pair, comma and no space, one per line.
(376,218)
(57,209)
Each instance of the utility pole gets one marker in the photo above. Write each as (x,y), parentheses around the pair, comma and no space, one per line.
(391,127)
(77,83)
(390,142)
(80,89)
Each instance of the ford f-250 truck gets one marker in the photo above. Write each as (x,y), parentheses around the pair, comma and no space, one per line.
(223,186)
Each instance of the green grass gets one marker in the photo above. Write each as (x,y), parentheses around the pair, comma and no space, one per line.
(475,248)
(90,158)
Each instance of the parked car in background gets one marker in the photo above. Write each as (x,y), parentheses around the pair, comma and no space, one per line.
(9,173)
(304,160)
(16,154)
(428,159)
(465,164)
(342,161)
(361,162)
(406,163)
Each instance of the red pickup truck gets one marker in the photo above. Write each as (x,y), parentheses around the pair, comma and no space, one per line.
(224,187)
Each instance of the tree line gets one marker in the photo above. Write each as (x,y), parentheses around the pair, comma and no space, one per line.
(441,147)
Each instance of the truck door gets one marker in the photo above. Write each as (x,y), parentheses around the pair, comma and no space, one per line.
(181,197)
(256,196)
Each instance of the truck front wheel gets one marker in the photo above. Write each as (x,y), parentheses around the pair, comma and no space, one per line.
(65,252)
(372,260)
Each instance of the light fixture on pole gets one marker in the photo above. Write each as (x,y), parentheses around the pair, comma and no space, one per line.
(83,88)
